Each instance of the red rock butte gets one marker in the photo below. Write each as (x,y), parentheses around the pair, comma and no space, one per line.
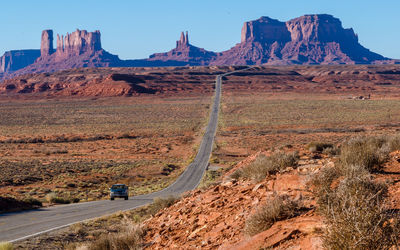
(310,39)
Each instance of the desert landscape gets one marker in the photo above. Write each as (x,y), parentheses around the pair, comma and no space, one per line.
(287,139)
(264,111)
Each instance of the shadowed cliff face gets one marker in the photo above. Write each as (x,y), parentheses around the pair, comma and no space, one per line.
(16,59)
(310,39)
(266,30)
(46,44)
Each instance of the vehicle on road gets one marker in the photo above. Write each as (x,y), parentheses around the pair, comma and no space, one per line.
(119,190)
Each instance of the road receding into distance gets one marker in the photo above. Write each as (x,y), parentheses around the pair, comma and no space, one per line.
(22,225)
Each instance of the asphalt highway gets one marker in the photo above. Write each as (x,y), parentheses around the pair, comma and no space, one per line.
(21,225)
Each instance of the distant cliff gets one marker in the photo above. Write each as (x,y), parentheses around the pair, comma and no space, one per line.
(17,59)
(310,39)
(75,50)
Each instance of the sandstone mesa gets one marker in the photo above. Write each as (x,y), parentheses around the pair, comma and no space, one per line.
(306,40)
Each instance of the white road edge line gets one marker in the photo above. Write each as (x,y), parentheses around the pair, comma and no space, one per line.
(69,224)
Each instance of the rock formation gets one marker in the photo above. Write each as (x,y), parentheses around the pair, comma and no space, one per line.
(17,59)
(46,45)
(310,39)
(77,43)
(185,52)
(75,50)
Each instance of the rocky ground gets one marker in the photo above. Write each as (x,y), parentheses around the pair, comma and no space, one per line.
(215,217)
(349,81)
(264,109)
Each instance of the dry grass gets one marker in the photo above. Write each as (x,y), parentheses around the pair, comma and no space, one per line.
(95,143)
(353,204)
(6,246)
(279,208)
(368,152)
(264,166)
(357,217)
(161,203)
(243,110)
(319,146)
(101,117)
(251,122)
(129,239)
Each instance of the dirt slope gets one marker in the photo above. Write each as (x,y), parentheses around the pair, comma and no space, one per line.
(215,218)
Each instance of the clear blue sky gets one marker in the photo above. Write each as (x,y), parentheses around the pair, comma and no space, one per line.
(136,29)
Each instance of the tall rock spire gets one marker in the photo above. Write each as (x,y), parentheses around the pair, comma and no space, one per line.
(46,44)
(182,39)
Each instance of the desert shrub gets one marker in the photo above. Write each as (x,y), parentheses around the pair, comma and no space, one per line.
(279,208)
(53,198)
(6,246)
(369,153)
(318,146)
(321,184)
(50,197)
(356,217)
(60,200)
(161,203)
(263,166)
(130,239)
(331,151)
(394,143)
(237,174)
(75,200)
(33,201)
(352,203)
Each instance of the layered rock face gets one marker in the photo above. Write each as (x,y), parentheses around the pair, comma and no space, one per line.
(77,43)
(185,52)
(75,50)
(46,45)
(310,39)
(266,30)
(17,59)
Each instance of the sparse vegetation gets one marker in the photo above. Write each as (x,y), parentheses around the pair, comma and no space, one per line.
(11,204)
(6,246)
(161,203)
(353,204)
(267,165)
(33,201)
(319,146)
(130,239)
(279,208)
(96,143)
(129,236)
(53,198)
(368,152)
(210,178)
(357,218)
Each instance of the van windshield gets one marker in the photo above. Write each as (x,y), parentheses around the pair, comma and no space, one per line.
(118,187)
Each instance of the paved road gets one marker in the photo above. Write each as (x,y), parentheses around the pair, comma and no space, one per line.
(22,225)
